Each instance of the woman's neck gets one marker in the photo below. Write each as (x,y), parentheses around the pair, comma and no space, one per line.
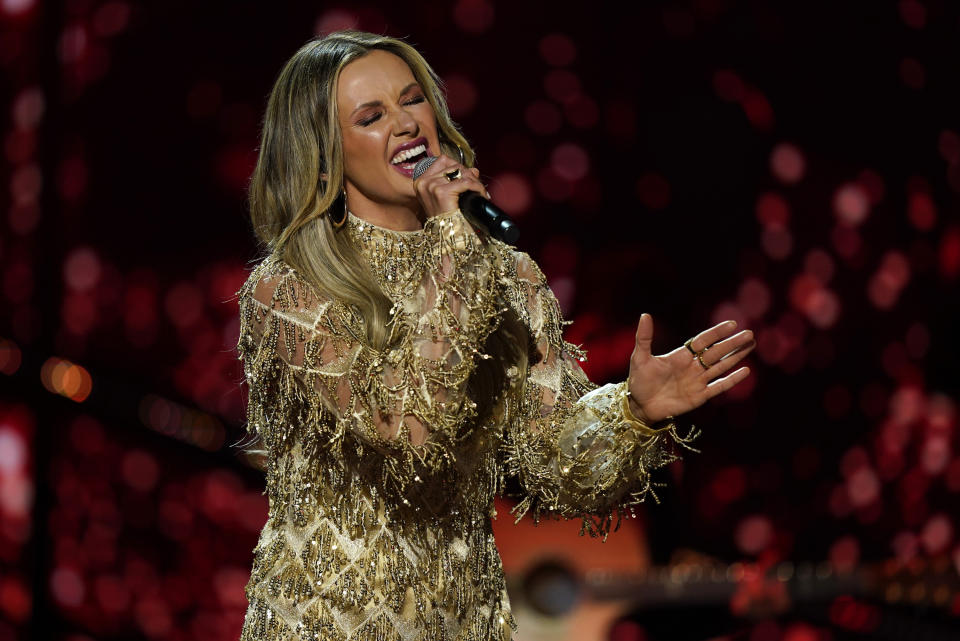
(397,217)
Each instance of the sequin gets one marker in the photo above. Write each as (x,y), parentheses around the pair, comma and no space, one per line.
(380,484)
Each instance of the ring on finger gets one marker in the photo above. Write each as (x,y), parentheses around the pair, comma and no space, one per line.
(453,175)
(700,358)
(687,344)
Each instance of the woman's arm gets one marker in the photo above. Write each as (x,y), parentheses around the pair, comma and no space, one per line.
(574,448)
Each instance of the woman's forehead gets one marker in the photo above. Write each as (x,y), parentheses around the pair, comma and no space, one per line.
(371,77)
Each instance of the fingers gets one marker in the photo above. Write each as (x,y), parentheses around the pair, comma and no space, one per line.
(438,193)
(710,336)
(727,362)
(644,336)
(723,349)
(721,385)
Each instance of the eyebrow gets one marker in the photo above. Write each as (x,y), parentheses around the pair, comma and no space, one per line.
(378,103)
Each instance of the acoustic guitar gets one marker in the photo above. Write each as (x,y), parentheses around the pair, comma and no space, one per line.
(566,586)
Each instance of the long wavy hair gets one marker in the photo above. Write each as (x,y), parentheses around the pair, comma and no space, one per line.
(288,200)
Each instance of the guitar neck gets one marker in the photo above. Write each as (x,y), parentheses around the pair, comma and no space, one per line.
(689,585)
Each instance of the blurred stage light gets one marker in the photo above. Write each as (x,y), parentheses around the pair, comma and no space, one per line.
(68,379)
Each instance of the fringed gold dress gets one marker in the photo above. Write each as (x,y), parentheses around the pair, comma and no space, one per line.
(381,486)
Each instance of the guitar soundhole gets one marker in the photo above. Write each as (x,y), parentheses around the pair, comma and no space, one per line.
(551,589)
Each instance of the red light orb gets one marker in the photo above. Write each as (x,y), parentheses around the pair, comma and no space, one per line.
(905,546)
(823,308)
(937,534)
(552,186)
(777,242)
(570,161)
(949,254)
(728,311)
(921,211)
(757,109)
(28,107)
(111,18)
(561,85)
(728,85)
(851,204)
(787,163)
(872,182)
(335,20)
(772,345)
(772,210)
(582,111)
(754,534)
(845,554)
(863,487)
(913,13)
(73,43)
(912,73)
(653,190)
(820,264)
(473,16)
(461,94)
(184,304)
(803,632)
(543,117)
(729,484)
(81,269)
(140,470)
(67,587)
(948,144)
(512,192)
(557,49)
(25,184)
(753,297)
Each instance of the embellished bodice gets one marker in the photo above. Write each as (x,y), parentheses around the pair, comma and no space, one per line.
(380,472)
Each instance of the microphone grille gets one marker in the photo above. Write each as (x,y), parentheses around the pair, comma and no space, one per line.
(422,166)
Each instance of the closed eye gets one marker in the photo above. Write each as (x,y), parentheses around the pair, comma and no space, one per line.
(375,117)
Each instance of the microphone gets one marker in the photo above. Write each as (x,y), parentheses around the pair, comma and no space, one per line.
(490,216)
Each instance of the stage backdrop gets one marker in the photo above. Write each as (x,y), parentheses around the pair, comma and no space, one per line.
(794,166)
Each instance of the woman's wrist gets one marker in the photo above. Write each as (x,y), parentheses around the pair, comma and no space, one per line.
(633,413)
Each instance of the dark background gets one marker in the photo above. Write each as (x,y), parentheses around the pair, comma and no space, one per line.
(795,166)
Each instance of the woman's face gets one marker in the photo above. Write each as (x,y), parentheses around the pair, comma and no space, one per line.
(384,116)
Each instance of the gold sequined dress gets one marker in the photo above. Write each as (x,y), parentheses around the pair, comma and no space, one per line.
(381,486)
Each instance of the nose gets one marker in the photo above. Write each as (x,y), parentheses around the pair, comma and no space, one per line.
(404,123)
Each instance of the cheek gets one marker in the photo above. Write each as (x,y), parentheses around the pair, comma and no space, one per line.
(361,150)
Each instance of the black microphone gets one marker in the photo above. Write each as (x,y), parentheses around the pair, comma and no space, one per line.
(492,217)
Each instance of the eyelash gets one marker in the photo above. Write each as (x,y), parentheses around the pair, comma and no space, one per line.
(373,119)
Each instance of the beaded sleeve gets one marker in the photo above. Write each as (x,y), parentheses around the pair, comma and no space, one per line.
(575,450)
(308,362)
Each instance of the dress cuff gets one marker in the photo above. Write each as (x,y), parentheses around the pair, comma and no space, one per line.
(639,425)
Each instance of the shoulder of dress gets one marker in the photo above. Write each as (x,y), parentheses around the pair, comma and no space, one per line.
(516,266)
(272,271)
(276,285)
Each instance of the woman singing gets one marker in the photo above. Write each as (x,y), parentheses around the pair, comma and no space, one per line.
(403,363)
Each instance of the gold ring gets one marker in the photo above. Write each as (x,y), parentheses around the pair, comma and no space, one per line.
(700,358)
(453,175)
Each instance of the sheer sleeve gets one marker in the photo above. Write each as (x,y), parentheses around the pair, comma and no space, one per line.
(572,445)
(308,361)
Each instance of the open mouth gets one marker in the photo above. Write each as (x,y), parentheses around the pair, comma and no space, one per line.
(406,160)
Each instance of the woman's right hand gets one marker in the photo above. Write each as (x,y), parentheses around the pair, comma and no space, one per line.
(439,195)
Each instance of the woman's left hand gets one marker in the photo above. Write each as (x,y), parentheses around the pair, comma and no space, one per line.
(676,382)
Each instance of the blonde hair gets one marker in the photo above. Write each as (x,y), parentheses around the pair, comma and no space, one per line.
(301,139)
(289,203)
